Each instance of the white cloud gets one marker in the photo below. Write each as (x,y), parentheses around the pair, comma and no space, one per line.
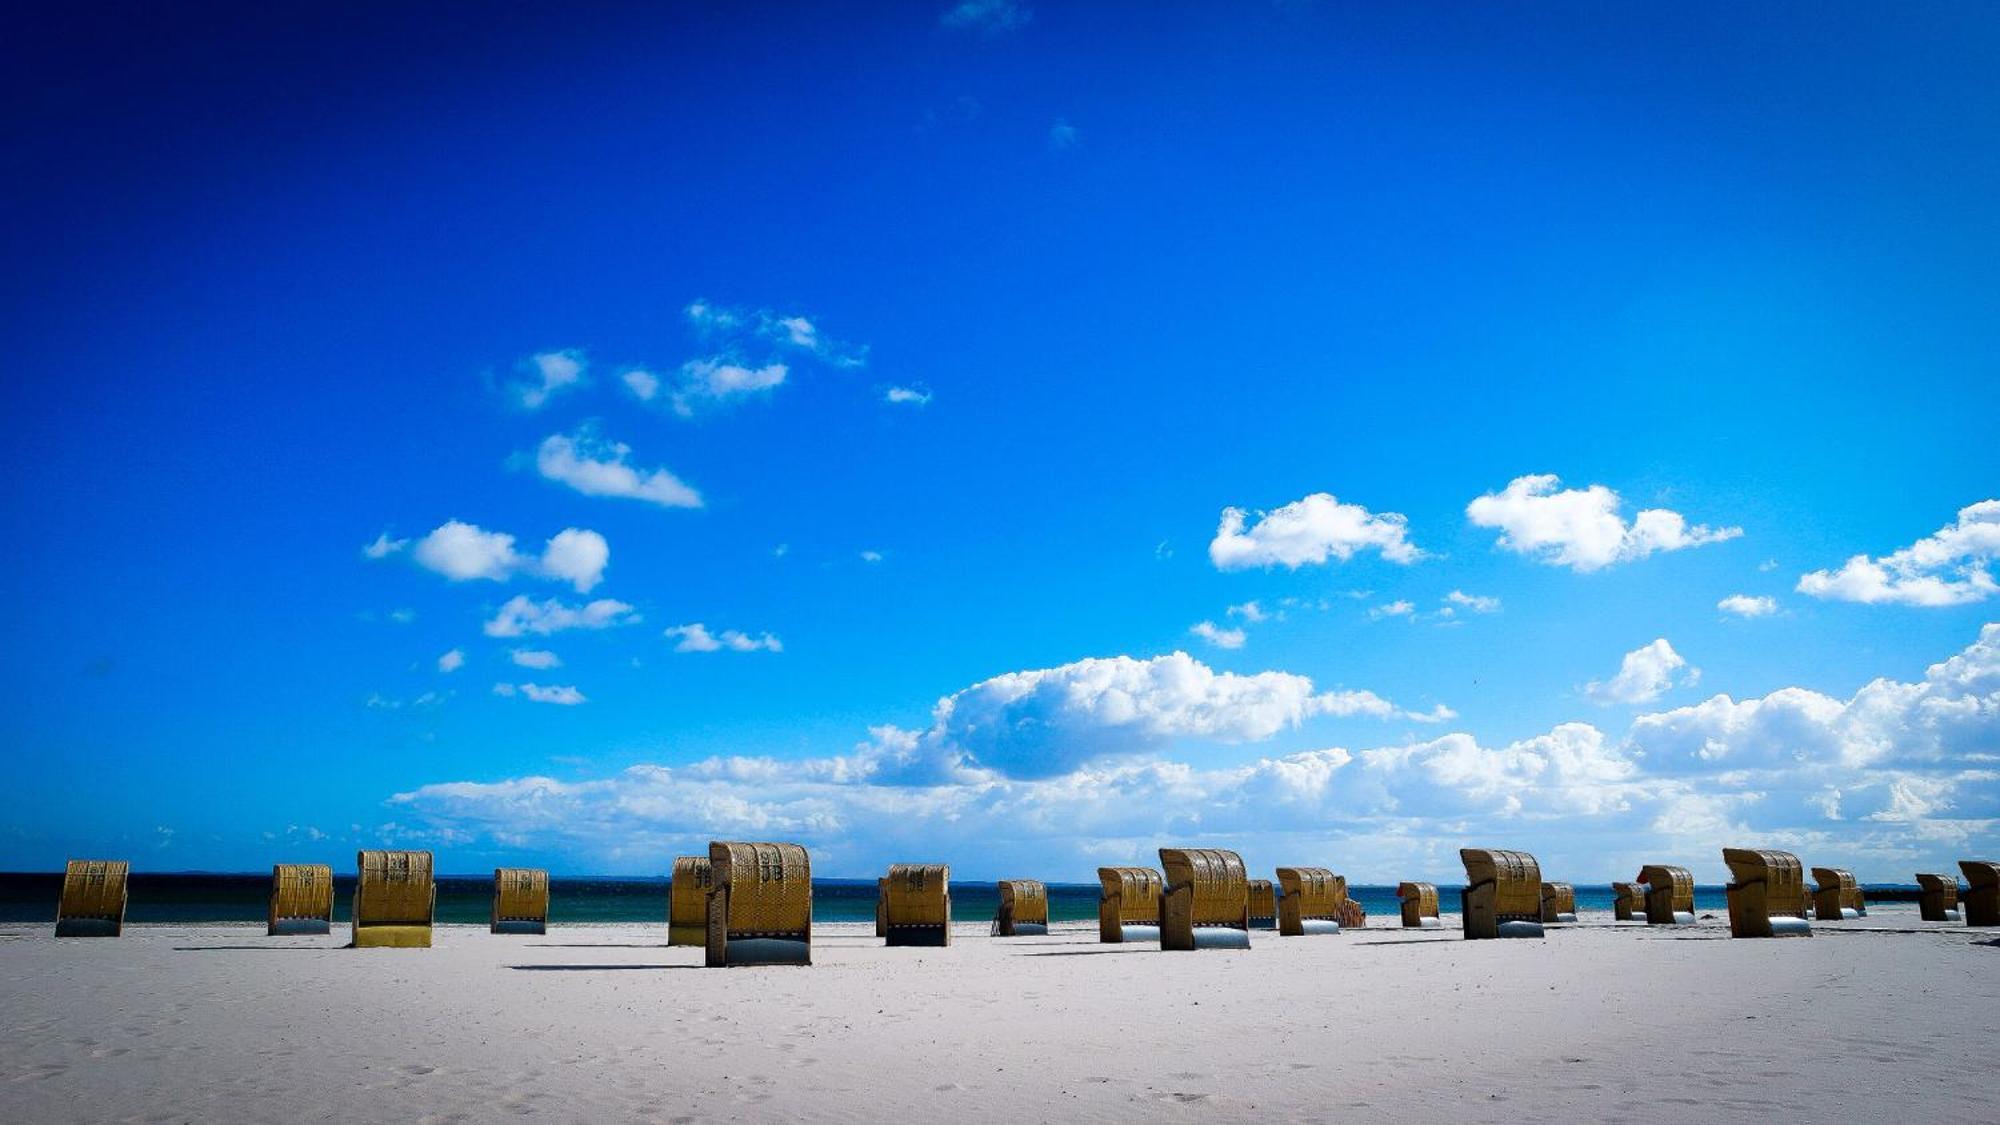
(1949,567)
(1393,609)
(990,17)
(741,329)
(1309,531)
(1477,603)
(1250,611)
(535,658)
(522,616)
(402,616)
(546,374)
(1646,673)
(872,556)
(452,661)
(576,557)
(643,384)
(1743,605)
(383,547)
(596,467)
(1220,638)
(911,396)
(464,552)
(696,638)
(563,695)
(1582,528)
(719,380)
(1063,136)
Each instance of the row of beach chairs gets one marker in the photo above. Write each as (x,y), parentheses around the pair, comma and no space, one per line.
(751,903)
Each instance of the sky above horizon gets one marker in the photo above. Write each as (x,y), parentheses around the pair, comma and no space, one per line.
(1013,435)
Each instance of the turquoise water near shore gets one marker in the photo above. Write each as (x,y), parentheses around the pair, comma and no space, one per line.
(31,897)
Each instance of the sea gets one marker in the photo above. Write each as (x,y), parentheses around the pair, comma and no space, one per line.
(29,897)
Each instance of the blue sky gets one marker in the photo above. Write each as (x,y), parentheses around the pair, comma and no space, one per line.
(961,331)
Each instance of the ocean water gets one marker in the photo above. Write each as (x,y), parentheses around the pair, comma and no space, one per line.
(31,897)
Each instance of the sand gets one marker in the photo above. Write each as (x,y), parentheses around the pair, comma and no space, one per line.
(1883,1018)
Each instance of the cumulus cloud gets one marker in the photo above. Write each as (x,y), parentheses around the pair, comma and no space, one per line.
(1393,609)
(1477,603)
(643,384)
(1251,611)
(452,661)
(523,616)
(907,396)
(1744,605)
(989,17)
(1220,638)
(464,552)
(535,658)
(561,695)
(1646,673)
(1309,531)
(1949,567)
(718,380)
(1581,528)
(696,638)
(596,467)
(872,556)
(383,547)
(544,374)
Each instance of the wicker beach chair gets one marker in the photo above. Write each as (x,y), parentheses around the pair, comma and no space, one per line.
(395,900)
(1766,894)
(1310,901)
(915,904)
(1024,909)
(1669,895)
(1939,900)
(1263,905)
(1503,894)
(301,900)
(687,901)
(1836,897)
(1206,901)
(1628,902)
(759,905)
(1128,909)
(882,907)
(93,898)
(520,900)
(1558,902)
(1982,896)
(1420,905)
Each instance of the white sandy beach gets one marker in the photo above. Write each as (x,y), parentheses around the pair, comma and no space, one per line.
(1879,1019)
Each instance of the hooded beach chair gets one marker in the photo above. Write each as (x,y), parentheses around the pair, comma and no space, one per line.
(1558,902)
(759,905)
(916,904)
(1628,902)
(1669,895)
(1982,896)
(520,900)
(1836,897)
(395,900)
(1766,894)
(1206,901)
(93,898)
(1503,894)
(1310,901)
(1939,900)
(1128,908)
(1420,905)
(1263,905)
(1023,910)
(882,907)
(687,901)
(301,900)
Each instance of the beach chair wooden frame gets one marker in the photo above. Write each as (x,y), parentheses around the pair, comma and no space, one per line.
(301,900)
(1938,900)
(1558,902)
(1205,903)
(1503,894)
(1128,905)
(1263,905)
(1836,896)
(687,900)
(520,901)
(1766,893)
(1628,902)
(759,904)
(1669,894)
(1420,906)
(916,904)
(882,907)
(395,900)
(1310,901)
(1981,905)
(1023,909)
(93,898)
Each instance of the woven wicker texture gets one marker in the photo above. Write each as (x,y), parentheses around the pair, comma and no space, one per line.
(394,898)
(1263,900)
(1352,916)
(1131,895)
(1023,903)
(1982,898)
(1765,885)
(1308,894)
(1558,899)
(1627,902)
(1420,901)
(93,898)
(917,894)
(1204,887)
(1670,891)
(882,907)
(1835,890)
(687,901)
(1500,887)
(300,892)
(520,894)
(1940,895)
(770,888)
